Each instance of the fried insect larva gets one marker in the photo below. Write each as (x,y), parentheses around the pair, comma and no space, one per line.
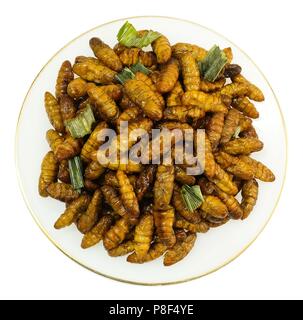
(122,249)
(215,223)
(190,72)
(105,54)
(88,219)
(249,133)
(76,89)
(128,114)
(128,197)
(162,49)
(71,214)
(116,234)
(115,91)
(157,249)
(168,76)
(178,203)
(126,103)
(65,76)
(96,234)
(49,171)
(208,102)
(213,206)
(235,90)
(180,250)
(254,93)
(207,86)
(54,139)
(200,227)
(223,181)
(67,107)
(106,106)
(245,106)
(62,191)
(164,185)
(171,125)
(214,129)
(143,236)
(230,125)
(181,48)
(229,54)
(94,170)
(68,149)
(110,179)
(90,185)
(164,221)
(209,163)
(242,146)
(260,170)
(250,195)
(183,113)
(142,95)
(206,186)
(92,143)
(90,70)
(52,108)
(130,56)
(245,123)
(183,178)
(112,198)
(145,181)
(63,172)
(175,96)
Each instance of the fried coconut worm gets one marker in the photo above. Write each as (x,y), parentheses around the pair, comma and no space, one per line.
(214,129)
(250,195)
(52,108)
(207,86)
(235,90)
(254,93)
(175,96)
(164,221)
(49,171)
(123,249)
(157,249)
(245,106)
(164,185)
(69,148)
(62,191)
(183,178)
(113,200)
(96,234)
(116,234)
(129,114)
(73,211)
(63,172)
(94,170)
(242,146)
(190,72)
(162,49)
(105,54)
(130,56)
(54,139)
(168,76)
(144,181)
(200,227)
(88,219)
(260,171)
(180,250)
(181,48)
(142,95)
(77,88)
(214,207)
(183,113)
(67,107)
(230,125)
(143,236)
(210,164)
(128,197)
(65,76)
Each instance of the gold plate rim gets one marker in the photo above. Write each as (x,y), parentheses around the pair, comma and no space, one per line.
(137,282)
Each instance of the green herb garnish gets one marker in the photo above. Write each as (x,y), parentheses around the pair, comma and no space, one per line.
(125,74)
(75,172)
(192,197)
(237,132)
(139,67)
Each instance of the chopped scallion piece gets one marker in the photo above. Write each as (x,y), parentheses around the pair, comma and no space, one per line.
(125,74)
(75,172)
(139,67)
(192,197)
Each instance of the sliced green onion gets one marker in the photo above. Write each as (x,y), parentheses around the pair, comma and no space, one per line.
(125,74)
(139,67)
(81,125)
(75,172)
(212,65)
(192,197)
(129,36)
(237,132)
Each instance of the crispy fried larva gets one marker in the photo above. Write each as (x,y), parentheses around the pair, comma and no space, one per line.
(183,178)
(207,86)
(67,107)
(114,91)
(181,48)
(249,133)
(214,129)
(88,219)
(157,249)
(206,186)
(230,125)
(215,223)
(200,227)
(68,149)
(190,72)
(76,89)
(123,249)
(116,234)
(52,108)
(63,172)
(143,236)
(164,221)
(90,70)
(175,96)
(178,203)
(91,185)
(214,207)
(94,170)
(250,194)
(62,191)
(183,113)
(65,76)
(130,113)
(245,123)
(145,181)
(235,90)
(254,93)
(49,171)
(92,143)
(128,197)
(142,95)
(162,49)
(105,54)
(130,56)
(54,139)
(245,106)
(180,250)
(113,200)
(223,181)
(164,185)
(73,211)
(96,234)
(106,106)
(229,54)
(208,102)
(260,170)
(242,146)
(210,164)
(110,179)
(168,76)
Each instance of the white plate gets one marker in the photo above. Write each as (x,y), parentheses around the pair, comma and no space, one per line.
(212,250)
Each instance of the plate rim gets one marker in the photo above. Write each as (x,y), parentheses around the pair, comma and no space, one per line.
(81,263)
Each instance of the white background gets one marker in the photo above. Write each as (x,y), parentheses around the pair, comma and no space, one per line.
(269,31)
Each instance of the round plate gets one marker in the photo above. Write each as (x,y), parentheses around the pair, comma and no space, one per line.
(212,250)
